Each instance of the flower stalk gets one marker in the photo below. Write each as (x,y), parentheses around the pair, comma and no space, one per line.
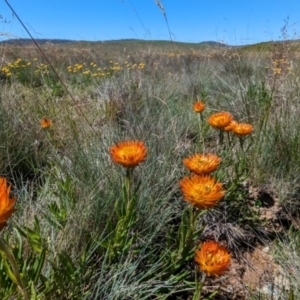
(129,154)
(199,107)
(127,217)
(187,234)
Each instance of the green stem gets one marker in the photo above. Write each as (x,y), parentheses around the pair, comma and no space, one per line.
(241,143)
(200,122)
(126,212)
(229,139)
(128,187)
(221,137)
(199,283)
(194,216)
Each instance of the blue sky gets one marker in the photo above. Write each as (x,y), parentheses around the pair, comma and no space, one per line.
(235,22)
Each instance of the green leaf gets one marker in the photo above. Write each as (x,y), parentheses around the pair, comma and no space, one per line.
(10,272)
(39,265)
(33,295)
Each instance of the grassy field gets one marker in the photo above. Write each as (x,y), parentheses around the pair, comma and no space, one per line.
(86,227)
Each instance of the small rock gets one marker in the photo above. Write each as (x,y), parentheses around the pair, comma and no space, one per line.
(266,249)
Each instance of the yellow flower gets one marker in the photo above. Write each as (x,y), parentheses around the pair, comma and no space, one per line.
(277,70)
(213,258)
(128,153)
(202,163)
(201,191)
(229,127)
(6,203)
(242,129)
(45,123)
(220,120)
(199,106)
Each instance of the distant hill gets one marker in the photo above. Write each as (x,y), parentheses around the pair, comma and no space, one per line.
(135,44)
(20,42)
(214,44)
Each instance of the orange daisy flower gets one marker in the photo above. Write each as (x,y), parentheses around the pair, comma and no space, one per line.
(202,163)
(46,123)
(201,191)
(199,106)
(6,203)
(242,129)
(213,258)
(229,127)
(128,153)
(220,120)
